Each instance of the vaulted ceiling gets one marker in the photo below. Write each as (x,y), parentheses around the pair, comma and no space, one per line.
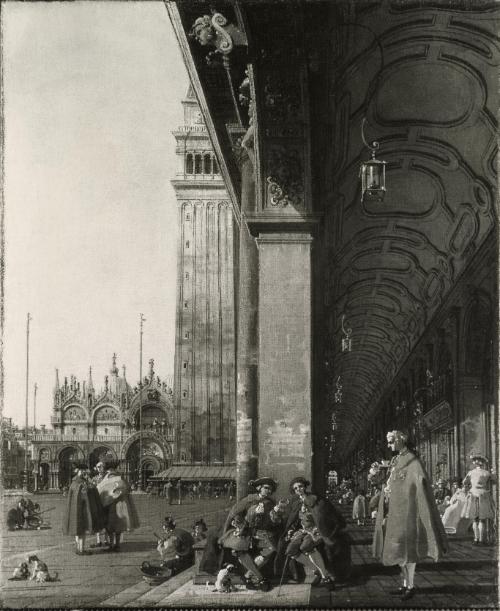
(425,79)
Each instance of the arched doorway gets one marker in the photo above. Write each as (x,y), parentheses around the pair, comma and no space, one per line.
(66,459)
(144,458)
(147,471)
(44,476)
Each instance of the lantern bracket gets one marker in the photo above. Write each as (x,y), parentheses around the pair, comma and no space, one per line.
(374,146)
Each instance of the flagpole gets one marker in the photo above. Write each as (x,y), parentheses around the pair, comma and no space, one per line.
(28,318)
(35,388)
(142,320)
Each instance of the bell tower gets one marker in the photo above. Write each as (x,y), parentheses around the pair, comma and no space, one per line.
(204,384)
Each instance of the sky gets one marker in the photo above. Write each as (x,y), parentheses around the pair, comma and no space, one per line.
(92,92)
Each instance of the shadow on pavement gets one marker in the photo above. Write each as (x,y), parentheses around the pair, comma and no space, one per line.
(457,589)
(456,565)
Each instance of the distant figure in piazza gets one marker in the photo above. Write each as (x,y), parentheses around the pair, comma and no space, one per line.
(359,509)
(84,512)
(121,514)
(408,527)
(315,537)
(479,504)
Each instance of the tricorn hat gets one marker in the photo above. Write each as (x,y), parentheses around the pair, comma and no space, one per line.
(200,522)
(169,522)
(299,480)
(262,481)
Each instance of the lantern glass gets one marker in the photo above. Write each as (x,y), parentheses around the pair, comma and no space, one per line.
(373,179)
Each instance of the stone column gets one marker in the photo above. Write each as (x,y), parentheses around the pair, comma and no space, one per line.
(285,355)
(247,344)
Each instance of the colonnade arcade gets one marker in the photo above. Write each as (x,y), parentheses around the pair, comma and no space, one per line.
(347,319)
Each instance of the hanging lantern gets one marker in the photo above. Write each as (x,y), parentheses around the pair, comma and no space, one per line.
(372,173)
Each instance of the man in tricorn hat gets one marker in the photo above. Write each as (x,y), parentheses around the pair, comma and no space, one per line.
(84,512)
(257,520)
(314,537)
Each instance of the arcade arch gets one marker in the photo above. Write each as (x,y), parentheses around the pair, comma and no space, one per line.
(67,457)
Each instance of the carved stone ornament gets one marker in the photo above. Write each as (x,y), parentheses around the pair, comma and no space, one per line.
(153,395)
(284,182)
(277,196)
(215,31)
(74,413)
(107,413)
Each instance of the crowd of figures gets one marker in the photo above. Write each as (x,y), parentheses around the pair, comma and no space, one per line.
(262,538)
(264,541)
(175,490)
(99,504)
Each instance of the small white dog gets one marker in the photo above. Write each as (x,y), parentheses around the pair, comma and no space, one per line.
(223,583)
(40,571)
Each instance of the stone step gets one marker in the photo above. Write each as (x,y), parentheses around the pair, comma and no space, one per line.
(127,595)
(158,593)
(191,594)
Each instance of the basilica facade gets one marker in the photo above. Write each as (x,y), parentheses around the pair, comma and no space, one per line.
(134,426)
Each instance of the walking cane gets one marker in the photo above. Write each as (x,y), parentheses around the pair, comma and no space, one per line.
(282,575)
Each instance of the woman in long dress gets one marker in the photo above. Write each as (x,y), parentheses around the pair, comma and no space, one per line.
(453,522)
(479,504)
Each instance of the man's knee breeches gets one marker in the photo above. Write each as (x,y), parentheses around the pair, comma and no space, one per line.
(301,543)
(264,544)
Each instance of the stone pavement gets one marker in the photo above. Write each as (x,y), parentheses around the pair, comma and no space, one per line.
(467,578)
(85,581)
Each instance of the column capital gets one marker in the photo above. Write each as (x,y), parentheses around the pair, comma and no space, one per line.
(260,223)
(284,238)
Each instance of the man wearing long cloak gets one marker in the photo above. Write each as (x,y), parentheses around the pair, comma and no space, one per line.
(408,528)
(84,511)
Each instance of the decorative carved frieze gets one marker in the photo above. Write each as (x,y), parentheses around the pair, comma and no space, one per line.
(285,184)
(439,416)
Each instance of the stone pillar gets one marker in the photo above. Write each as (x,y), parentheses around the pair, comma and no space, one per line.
(247,344)
(285,355)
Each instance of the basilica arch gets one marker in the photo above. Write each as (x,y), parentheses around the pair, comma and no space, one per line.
(67,456)
(145,454)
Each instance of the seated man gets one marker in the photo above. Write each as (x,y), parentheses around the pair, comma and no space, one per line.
(175,547)
(252,529)
(315,537)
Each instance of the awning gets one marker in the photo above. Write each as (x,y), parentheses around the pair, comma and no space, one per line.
(196,473)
